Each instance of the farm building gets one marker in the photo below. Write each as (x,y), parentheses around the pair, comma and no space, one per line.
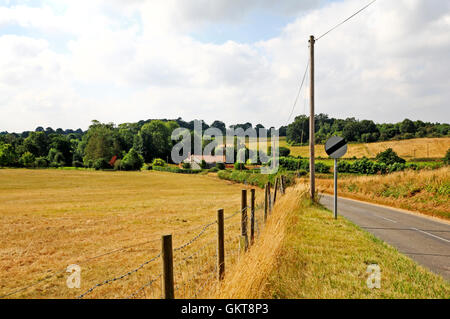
(211,160)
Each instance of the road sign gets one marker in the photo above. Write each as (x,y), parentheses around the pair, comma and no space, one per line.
(336,147)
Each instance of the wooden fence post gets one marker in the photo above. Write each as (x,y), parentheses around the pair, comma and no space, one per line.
(244,237)
(270,197)
(283,189)
(167,271)
(275,189)
(220,244)
(266,201)
(252,215)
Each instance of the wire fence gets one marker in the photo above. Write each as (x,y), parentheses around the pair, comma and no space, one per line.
(195,263)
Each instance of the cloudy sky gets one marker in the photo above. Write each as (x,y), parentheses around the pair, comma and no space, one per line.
(64,63)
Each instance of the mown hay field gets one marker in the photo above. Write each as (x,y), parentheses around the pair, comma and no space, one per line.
(54,218)
(408,149)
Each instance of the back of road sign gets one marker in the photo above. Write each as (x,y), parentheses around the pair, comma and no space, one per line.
(336,147)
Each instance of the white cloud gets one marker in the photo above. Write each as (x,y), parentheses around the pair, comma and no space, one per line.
(132,60)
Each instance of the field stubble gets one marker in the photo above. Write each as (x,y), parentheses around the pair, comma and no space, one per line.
(110,223)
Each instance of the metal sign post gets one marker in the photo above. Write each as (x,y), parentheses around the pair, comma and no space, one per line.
(335,147)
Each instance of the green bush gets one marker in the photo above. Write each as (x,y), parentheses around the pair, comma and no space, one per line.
(203,164)
(220,166)
(447,157)
(322,168)
(301,173)
(40,162)
(77,164)
(284,151)
(389,157)
(147,167)
(158,162)
(239,166)
(101,163)
(133,161)
(176,170)
(259,180)
(186,165)
(214,169)
(27,159)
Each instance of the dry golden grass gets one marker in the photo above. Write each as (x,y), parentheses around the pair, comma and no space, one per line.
(53,218)
(305,253)
(423,191)
(248,277)
(414,148)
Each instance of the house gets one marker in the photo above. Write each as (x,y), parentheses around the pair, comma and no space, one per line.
(211,160)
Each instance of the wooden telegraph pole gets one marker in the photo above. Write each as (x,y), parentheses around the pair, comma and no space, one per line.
(311,121)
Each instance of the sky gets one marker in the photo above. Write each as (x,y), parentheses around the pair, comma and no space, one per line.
(65,63)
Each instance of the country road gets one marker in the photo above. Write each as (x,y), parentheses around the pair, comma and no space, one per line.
(425,240)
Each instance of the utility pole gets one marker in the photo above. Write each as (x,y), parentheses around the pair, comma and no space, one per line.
(311,120)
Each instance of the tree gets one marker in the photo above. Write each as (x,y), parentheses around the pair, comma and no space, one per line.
(389,157)
(156,138)
(37,143)
(62,145)
(298,131)
(27,159)
(132,161)
(7,155)
(284,151)
(220,125)
(101,142)
(407,126)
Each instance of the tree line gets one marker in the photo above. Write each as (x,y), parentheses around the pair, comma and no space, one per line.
(362,131)
(128,145)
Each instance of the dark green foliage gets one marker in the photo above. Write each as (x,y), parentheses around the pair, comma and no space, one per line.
(213,170)
(203,164)
(132,161)
(255,179)
(239,166)
(77,164)
(389,157)
(220,166)
(101,163)
(7,155)
(158,162)
(101,142)
(284,151)
(447,157)
(40,162)
(172,169)
(365,131)
(186,165)
(27,160)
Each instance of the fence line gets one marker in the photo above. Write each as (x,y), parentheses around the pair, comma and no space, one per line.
(232,243)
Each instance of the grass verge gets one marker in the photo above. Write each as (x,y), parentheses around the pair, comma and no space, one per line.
(305,253)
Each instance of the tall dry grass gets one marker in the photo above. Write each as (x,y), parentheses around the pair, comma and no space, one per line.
(248,277)
(304,253)
(423,191)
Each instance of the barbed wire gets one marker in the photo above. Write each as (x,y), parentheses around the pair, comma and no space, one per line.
(143,287)
(118,278)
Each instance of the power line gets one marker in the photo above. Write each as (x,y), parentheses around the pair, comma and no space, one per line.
(299,91)
(339,24)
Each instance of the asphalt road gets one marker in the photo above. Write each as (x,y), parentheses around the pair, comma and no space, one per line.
(425,240)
